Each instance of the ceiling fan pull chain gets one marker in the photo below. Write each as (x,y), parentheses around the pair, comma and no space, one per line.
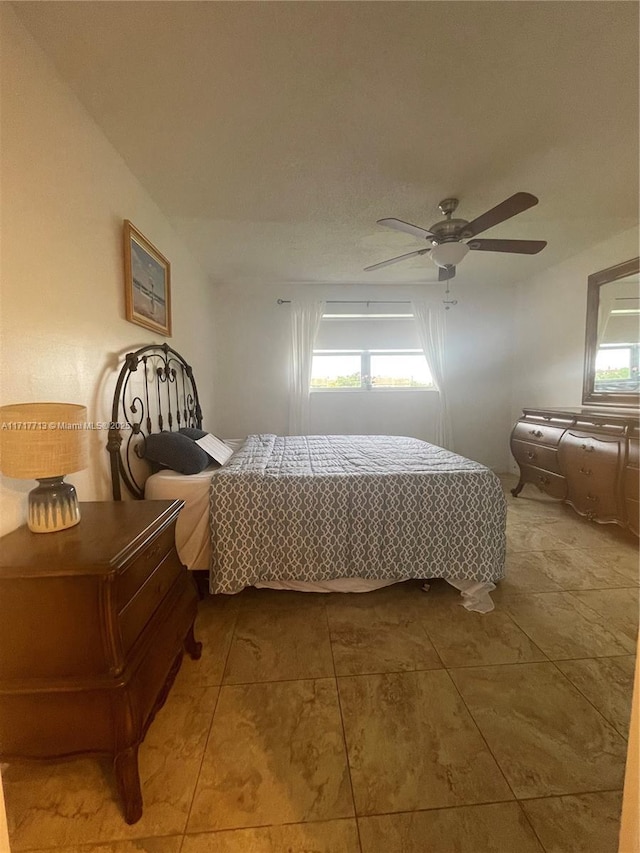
(448,302)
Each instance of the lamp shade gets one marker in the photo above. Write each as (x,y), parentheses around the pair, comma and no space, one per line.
(449,254)
(42,439)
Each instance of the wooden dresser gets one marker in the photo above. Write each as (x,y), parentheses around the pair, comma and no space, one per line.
(93,621)
(586,457)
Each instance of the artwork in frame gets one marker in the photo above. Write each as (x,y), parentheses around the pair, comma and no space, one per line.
(147,280)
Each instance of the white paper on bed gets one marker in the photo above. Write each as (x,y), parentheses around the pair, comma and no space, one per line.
(217,449)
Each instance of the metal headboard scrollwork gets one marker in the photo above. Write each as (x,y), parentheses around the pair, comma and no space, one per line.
(155,391)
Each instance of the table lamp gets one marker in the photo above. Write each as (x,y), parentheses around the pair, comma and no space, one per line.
(45,441)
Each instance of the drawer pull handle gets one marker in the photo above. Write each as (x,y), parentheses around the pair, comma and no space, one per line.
(536,433)
(531,454)
(588,448)
(544,480)
(585,471)
(593,498)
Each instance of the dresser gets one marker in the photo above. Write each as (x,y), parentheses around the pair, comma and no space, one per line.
(93,623)
(587,458)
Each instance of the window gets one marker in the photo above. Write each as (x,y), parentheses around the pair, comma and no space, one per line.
(617,367)
(360,349)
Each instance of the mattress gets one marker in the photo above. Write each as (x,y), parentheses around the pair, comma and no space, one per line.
(379,508)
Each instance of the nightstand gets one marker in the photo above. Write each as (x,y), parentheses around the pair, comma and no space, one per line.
(93,622)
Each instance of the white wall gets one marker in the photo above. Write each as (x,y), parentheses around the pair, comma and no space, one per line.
(252,336)
(65,193)
(549,326)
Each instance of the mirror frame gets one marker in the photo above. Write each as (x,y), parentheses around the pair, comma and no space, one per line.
(589,395)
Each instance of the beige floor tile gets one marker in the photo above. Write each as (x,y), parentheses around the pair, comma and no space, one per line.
(608,685)
(564,628)
(387,637)
(70,803)
(252,598)
(617,607)
(334,836)
(139,845)
(496,828)
(524,572)
(624,559)
(548,739)
(571,568)
(275,755)
(522,536)
(214,629)
(465,638)
(279,643)
(412,744)
(588,823)
(576,532)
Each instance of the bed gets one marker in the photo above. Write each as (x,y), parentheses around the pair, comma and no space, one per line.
(317,513)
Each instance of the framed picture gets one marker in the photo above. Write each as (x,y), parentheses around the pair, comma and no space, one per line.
(147,281)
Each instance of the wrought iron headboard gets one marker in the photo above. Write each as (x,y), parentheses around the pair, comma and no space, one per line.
(155,391)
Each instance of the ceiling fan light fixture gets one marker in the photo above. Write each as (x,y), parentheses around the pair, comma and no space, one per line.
(449,254)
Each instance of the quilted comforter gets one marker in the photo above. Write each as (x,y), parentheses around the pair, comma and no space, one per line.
(322,507)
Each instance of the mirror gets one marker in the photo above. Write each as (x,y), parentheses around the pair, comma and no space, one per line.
(612,348)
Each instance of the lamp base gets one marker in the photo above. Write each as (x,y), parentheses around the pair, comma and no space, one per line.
(53,505)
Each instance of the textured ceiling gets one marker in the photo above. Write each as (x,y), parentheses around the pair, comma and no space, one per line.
(274,134)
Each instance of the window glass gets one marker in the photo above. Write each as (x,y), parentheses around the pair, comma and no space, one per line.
(399,370)
(336,370)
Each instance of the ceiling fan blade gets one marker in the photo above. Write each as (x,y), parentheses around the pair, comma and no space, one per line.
(405,227)
(395,260)
(520,247)
(505,210)
(446,273)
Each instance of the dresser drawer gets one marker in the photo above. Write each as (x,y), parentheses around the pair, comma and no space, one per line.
(586,456)
(139,610)
(551,484)
(632,484)
(598,503)
(535,454)
(130,581)
(634,453)
(538,433)
(633,515)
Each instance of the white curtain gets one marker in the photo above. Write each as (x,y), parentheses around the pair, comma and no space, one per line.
(430,322)
(306,315)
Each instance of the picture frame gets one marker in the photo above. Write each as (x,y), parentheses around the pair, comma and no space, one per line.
(147,280)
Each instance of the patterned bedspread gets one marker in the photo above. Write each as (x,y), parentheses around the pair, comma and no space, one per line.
(331,506)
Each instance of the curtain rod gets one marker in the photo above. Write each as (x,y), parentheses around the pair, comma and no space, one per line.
(357,302)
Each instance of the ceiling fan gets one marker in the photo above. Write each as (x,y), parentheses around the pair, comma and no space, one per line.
(447,237)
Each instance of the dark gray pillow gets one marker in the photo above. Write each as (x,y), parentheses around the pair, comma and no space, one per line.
(193,432)
(176,451)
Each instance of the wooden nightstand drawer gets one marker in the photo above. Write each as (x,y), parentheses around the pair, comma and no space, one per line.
(139,610)
(136,575)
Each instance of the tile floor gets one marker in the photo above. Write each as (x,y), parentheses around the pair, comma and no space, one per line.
(392,722)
